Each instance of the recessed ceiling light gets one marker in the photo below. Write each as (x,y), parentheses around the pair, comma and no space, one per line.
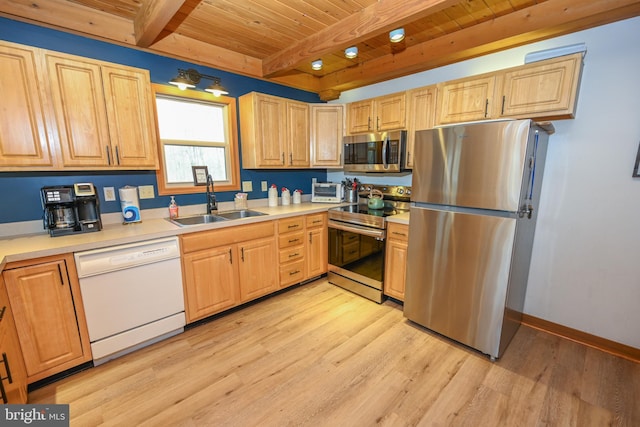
(396,35)
(317,64)
(351,52)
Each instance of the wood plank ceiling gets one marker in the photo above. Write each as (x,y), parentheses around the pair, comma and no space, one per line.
(278,39)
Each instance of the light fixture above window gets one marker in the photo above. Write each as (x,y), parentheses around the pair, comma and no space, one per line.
(317,64)
(188,79)
(396,35)
(351,52)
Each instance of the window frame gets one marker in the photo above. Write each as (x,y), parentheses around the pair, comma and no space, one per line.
(232,130)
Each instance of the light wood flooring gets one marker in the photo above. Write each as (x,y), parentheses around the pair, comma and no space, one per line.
(318,355)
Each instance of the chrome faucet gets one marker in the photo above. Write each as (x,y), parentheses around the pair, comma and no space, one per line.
(212,205)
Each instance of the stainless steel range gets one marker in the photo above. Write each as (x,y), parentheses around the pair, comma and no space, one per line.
(357,240)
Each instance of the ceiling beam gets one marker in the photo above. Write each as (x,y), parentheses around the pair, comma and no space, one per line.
(371,21)
(151,19)
(542,21)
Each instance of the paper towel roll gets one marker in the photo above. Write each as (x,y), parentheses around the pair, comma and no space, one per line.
(130,204)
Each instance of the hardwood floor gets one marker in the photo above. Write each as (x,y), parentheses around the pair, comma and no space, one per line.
(321,356)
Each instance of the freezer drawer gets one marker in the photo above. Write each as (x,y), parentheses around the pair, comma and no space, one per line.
(458,274)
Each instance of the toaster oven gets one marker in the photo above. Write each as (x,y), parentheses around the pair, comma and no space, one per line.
(326,192)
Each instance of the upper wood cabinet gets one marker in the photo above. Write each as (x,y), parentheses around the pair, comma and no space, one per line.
(377,114)
(274,132)
(49,315)
(546,89)
(327,130)
(24,140)
(421,105)
(68,112)
(103,113)
(466,99)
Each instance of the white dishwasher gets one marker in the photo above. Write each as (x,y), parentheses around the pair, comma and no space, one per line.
(132,295)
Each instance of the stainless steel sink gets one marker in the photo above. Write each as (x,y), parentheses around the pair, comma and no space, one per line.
(221,216)
(197,219)
(245,213)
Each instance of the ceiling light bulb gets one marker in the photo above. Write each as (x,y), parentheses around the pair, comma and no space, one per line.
(317,64)
(396,35)
(351,52)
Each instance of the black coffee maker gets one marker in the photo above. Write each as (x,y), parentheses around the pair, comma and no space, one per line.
(70,209)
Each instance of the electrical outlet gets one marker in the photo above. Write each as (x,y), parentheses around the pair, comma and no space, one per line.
(264,186)
(109,194)
(146,192)
(247,186)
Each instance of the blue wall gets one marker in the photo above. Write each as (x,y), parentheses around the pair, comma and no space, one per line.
(21,191)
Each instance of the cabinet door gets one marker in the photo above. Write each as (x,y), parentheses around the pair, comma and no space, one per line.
(327,130)
(10,353)
(395,269)
(45,316)
(79,105)
(270,132)
(129,103)
(422,108)
(23,133)
(390,112)
(545,89)
(317,251)
(210,281)
(258,268)
(360,116)
(297,126)
(465,100)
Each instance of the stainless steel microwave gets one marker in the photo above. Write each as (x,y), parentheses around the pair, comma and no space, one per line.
(375,152)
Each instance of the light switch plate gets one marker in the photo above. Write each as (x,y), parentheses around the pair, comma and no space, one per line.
(109,194)
(264,186)
(247,186)
(146,192)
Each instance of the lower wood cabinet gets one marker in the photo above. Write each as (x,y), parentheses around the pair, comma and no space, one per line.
(226,267)
(291,249)
(396,260)
(13,374)
(49,315)
(317,245)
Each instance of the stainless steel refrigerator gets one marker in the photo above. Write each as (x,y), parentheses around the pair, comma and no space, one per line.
(474,206)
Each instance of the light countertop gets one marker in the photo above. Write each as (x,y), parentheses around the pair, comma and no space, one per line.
(18,248)
(402,218)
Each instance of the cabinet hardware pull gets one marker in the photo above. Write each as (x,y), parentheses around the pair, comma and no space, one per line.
(242,254)
(108,154)
(486,108)
(293,240)
(310,237)
(3,393)
(290,159)
(60,273)
(408,157)
(230,257)
(293,255)
(294,272)
(2,312)
(283,157)
(399,234)
(117,156)
(368,123)
(293,226)
(317,221)
(377,123)
(503,99)
(6,367)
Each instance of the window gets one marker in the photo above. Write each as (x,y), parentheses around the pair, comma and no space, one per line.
(195,129)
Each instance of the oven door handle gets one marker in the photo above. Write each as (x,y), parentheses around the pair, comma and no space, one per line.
(371,232)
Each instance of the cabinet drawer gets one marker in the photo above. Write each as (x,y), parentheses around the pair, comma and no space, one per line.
(292,273)
(291,224)
(225,236)
(291,254)
(316,220)
(291,239)
(398,232)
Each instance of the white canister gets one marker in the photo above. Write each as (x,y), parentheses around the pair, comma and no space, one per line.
(286,196)
(297,197)
(273,196)
(130,204)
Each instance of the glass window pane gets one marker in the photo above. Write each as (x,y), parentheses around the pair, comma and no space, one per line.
(180,158)
(190,121)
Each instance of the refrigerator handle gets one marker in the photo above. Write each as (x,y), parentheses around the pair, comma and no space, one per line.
(532,167)
(385,148)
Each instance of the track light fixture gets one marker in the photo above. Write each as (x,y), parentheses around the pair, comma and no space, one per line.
(351,52)
(188,79)
(396,35)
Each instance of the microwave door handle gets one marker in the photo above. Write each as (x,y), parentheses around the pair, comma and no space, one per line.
(385,147)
